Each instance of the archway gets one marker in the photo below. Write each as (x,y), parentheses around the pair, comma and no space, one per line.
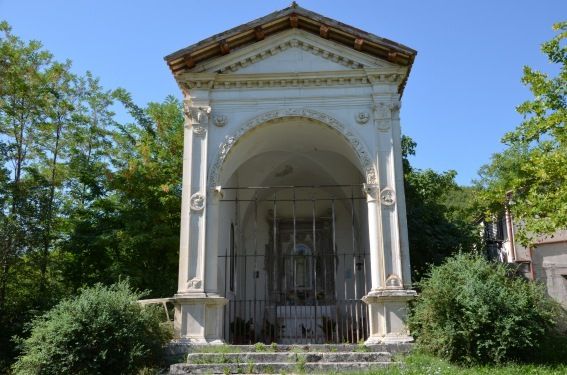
(293,239)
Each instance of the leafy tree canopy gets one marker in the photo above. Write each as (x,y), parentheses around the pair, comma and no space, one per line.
(532,171)
(439,214)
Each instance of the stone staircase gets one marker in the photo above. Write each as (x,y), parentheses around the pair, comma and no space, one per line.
(283,359)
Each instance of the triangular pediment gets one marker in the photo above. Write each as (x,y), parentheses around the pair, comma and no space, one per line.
(292,51)
(257,46)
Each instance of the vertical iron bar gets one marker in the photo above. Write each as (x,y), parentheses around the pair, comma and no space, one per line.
(364,307)
(226,279)
(354,255)
(275,253)
(255,280)
(355,298)
(345,307)
(292,265)
(314,258)
(333,250)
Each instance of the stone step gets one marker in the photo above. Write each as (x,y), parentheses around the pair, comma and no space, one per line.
(181,347)
(274,368)
(289,357)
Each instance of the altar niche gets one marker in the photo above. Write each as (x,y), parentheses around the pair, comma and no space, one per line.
(295,269)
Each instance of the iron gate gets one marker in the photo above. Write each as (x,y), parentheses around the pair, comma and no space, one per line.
(302,282)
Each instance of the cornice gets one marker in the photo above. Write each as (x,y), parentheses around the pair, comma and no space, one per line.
(325,49)
(355,77)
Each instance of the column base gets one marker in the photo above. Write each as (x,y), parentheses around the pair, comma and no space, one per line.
(388,316)
(199,318)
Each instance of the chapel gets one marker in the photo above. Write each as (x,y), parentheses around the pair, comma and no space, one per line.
(293,225)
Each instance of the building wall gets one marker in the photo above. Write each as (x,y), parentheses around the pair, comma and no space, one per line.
(549,260)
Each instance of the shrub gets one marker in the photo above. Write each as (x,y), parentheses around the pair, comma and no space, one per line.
(473,311)
(101,331)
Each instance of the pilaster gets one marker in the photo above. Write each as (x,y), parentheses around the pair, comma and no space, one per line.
(384,111)
(194,196)
(198,307)
(389,251)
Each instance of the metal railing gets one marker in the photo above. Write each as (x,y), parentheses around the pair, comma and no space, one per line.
(295,278)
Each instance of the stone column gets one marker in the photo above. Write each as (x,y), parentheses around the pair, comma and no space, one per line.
(198,315)
(388,297)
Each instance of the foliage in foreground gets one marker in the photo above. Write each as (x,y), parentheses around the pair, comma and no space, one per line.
(101,331)
(474,311)
(85,197)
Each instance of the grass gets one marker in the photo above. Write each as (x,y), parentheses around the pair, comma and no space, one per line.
(550,359)
(220,349)
(423,364)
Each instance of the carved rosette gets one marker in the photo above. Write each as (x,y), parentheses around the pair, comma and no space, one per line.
(360,150)
(220,120)
(388,196)
(362,117)
(197,202)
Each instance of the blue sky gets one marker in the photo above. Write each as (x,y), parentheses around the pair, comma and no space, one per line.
(460,98)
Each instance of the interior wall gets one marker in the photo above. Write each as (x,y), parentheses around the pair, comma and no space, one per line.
(292,154)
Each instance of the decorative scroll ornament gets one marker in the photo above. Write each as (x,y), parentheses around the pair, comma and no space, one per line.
(362,117)
(387,196)
(194,283)
(220,120)
(358,147)
(199,115)
(197,202)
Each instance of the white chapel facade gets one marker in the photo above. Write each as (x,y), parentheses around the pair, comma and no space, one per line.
(293,224)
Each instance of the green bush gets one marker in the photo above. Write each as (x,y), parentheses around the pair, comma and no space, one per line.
(474,311)
(101,331)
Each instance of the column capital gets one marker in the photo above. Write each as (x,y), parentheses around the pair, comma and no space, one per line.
(384,109)
(196,117)
(372,192)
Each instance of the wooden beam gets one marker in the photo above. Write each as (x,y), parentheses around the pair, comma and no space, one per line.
(324,31)
(189,62)
(259,32)
(392,56)
(224,47)
(358,42)
(293,20)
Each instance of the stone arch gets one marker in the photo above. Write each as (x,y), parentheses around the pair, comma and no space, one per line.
(361,152)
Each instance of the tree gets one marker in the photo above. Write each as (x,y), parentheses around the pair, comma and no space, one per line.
(83,198)
(439,212)
(532,171)
(133,228)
